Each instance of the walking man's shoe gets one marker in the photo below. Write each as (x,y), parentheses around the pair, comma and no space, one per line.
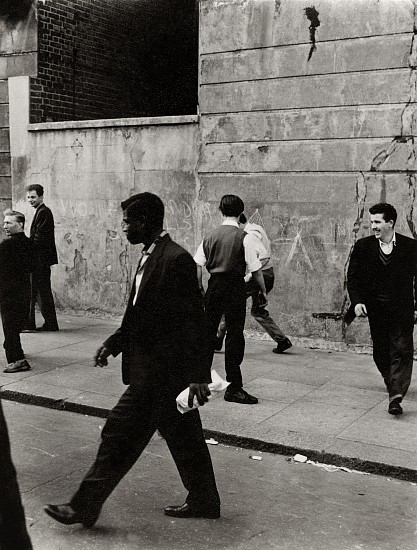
(394,407)
(239,396)
(65,514)
(218,344)
(282,346)
(28,329)
(187,511)
(18,366)
(47,328)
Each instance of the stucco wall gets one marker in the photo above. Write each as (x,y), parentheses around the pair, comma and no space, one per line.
(310,137)
(87,170)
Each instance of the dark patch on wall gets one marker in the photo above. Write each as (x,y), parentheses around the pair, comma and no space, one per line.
(14,10)
(115,58)
(313,16)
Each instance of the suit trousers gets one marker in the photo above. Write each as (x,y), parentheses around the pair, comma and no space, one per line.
(13,532)
(260,314)
(227,296)
(13,315)
(139,413)
(42,293)
(392,337)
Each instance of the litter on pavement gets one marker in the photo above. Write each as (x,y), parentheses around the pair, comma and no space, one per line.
(327,467)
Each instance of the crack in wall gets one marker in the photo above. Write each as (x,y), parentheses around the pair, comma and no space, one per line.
(361,195)
(410,205)
(408,126)
(407,132)
(408,116)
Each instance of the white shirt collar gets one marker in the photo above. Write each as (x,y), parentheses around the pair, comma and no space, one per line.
(230,222)
(152,246)
(388,247)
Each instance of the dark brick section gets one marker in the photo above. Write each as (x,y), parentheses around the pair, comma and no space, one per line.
(4,140)
(102,59)
(4,115)
(5,164)
(4,94)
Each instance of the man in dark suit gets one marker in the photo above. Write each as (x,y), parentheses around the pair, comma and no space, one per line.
(163,341)
(381,282)
(17,261)
(42,233)
(13,532)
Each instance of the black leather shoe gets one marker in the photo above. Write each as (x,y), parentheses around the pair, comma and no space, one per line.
(282,346)
(28,329)
(187,511)
(218,344)
(47,328)
(240,396)
(66,515)
(394,407)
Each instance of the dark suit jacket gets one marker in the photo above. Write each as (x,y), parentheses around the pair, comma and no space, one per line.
(17,260)
(365,264)
(42,233)
(163,337)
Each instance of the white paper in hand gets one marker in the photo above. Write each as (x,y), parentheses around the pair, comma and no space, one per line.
(216,385)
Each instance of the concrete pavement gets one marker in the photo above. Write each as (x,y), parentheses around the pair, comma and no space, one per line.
(268,504)
(329,406)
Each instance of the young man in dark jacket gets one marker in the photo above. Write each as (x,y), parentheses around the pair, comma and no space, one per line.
(163,341)
(381,282)
(42,233)
(17,261)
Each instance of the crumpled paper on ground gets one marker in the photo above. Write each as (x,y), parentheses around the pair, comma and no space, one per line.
(216,385)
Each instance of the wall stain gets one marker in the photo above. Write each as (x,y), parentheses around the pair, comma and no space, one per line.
(313,16)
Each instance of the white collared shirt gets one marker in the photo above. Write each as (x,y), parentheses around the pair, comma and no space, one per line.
(250,248)
(142,261)
(387,248)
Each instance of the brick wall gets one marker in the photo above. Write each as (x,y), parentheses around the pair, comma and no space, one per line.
(5,166)
(115,58)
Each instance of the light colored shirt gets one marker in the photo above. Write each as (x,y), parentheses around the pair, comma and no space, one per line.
(263,246)
(387,248)
(249,244)
(142,261)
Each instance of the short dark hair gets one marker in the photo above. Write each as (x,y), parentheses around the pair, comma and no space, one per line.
(231,205)
(18,215)
(243,219)
(387,210)
(145,205)
(35,187)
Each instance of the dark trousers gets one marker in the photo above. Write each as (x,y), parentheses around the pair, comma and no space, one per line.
(129,428)
(227,296)
(13,316)
(260,314)
(13,533)
(392,337)
(42,293)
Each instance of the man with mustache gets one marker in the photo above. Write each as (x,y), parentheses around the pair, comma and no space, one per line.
(381,282)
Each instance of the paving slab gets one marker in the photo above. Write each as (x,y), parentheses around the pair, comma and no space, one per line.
(331,406)
(271,504)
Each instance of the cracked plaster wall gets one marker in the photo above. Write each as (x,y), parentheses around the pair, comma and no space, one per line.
(86,173)
(310,115)
(309,144)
